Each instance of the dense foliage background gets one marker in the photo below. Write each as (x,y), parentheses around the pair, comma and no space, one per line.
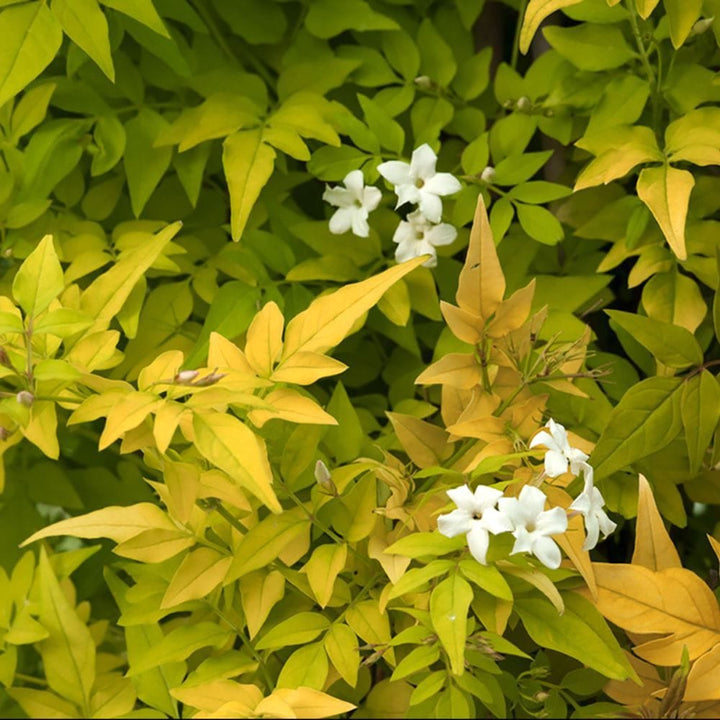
(161,213)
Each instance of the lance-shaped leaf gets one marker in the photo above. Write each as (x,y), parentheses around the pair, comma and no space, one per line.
(264,339)
(644,421)
(703,680)
(114,522)
(248,163)
(449,605)
(331,317)
(322,569)
(426,444)
(670,344)
(666,191)
(230,445)
(653,547)
(673,602)
(68,652)
(341,645)
(700,410)
(695,137)
(200,572)
(40,278)
(482,284)
(682,15)
(536,12)
(259,592)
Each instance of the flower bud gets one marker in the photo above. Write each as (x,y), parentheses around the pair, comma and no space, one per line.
(185,377)
(25,397)
(701,26)
(210,379)
(324,479)
(424,82)
(523,104)
(488,174)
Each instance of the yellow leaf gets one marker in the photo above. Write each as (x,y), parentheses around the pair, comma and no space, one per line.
(482,284)
(673,602)
(464,325)
(425,444)
(371,625)
(619,149)
(308,703)
(114,522)
(306,667)
(225,355)
(341,646)
(682,15)
(666,191)
(536,12)
(68,653)
(43,704)
(395,304)
(154,546)
(304,368)
(114,696)
(260,591)
(39,280)
(703,681)
(248,163)
(645,7)
(459,370)
(290,405)
(230,445)
(96,351)
(200,572)
(331,317)
(106,295)
(215,483)
(182,481)
(167,419)
(264,339)
(715,545)
(272,707)
(695,137)
(653,547)
(539,580)
(213,695)
(162,369)
(324,565)
(513,312)
(127,414)
(41,429)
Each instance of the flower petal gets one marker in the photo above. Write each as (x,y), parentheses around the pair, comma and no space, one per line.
(486,497)
(371,197)
(442,184)
(406,194)
(496,522)
(396,172)
(406,251)
(341,221)
(547,552)
(543,438)
(478,542)
(422,162)
(430,205)
(552,522)
(559,434)
(463,497)
(338,196)
(458,522)
(354,182)
(360,225)
(443,234)
(403,233)
(532,500)
(555,463)
(592,532)
(523,541)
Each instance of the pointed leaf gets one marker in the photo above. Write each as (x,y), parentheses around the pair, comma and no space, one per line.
(536,12)
(40,278)
(449,603)
(700,411)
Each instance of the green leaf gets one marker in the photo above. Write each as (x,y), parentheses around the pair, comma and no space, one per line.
(540,224)
(437,59)
(486,577)
(580,632)
(449,603)
(41,703)
(695,137)
(341,646)
(622,103)
(141,10)
(428,117)
(425,544)
(590,47)
(390,133)
(248,163)
(417,660)
(539,191)
(473,75)
(144,163)
(68,652)
(31,109)
(327,18)
(700,410)
(644,421)
(417,577)
(682,15)
(518,168)
(334,163)
(109,137)
(301,628)
(31,37)
(39,280)
(666,191)
(402,53)
(306,667)
(85,25)
(670,344)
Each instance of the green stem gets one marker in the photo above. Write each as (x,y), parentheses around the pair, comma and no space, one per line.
(30,679)
(518,28)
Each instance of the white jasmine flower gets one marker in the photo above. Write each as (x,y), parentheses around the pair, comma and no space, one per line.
(354,202)
(476,517)
(533,525)
(417,236)
(559,453)
(418,183)
(590,503)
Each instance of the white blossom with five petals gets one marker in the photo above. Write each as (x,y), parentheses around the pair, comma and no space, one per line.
(354,202)
(533,525)
(476,517)
(416,236)
(590,503)
(418,183)
(559,453)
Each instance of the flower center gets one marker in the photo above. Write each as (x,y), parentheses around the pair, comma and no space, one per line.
(419,183)
(477,516)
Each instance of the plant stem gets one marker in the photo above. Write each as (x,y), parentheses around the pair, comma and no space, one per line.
(518,28)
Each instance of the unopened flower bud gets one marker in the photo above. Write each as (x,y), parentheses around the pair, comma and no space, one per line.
(701,26)
(541,696)
(8,252)
(488,174)
(25,397)
(324,479)
(210,379)
(523,104)
(185,377)
(424,82)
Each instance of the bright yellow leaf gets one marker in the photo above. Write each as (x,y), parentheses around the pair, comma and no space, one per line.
(305,368)
(291,406)
(200,572)
(536,12)
(264,339)
(260,591)
(426,444)
(323,567)
(459,370)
